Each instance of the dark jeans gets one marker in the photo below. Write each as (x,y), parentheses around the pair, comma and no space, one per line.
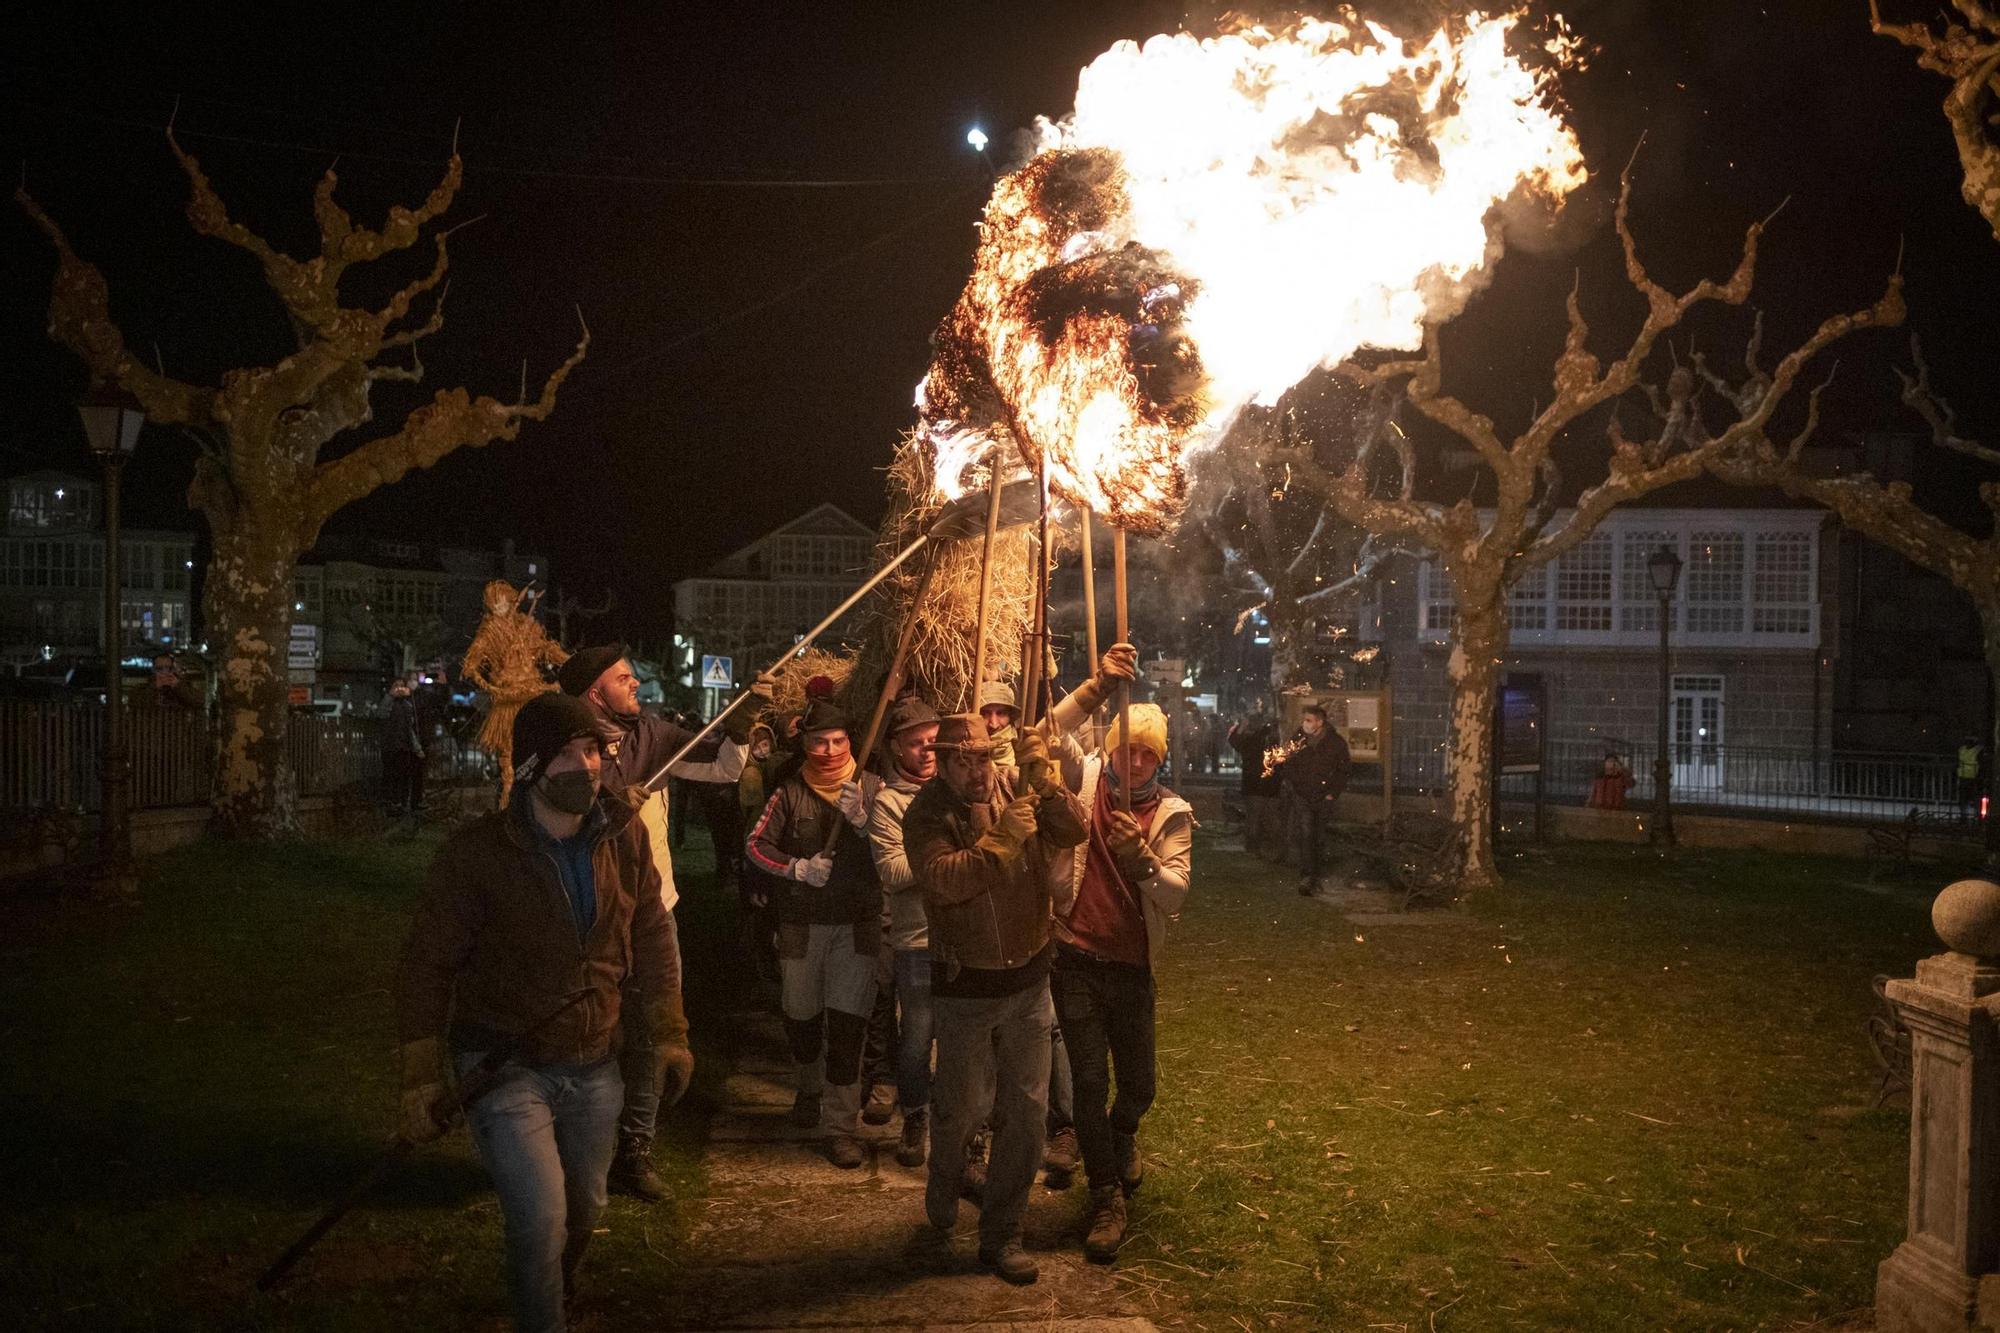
(403,781)
(878,1057)
(1306,816)
(913,1052)
(1106,1012)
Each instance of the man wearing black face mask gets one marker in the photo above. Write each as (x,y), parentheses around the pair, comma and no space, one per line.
(523,908)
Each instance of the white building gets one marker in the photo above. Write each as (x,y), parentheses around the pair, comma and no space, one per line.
(752,605)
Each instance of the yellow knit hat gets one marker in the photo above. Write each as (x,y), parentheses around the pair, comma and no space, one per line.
(1149,729)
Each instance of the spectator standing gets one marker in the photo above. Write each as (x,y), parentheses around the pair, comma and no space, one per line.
(1313,771)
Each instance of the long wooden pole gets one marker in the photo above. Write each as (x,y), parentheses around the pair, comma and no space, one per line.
(1089,597)
(848,605)
(985,587)
(894,682)
(1034,662)
(1124,636)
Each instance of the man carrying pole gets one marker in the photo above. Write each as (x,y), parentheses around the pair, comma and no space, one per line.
(636,745)
(521,907)
(811,837)
(982,842)
(1120,889)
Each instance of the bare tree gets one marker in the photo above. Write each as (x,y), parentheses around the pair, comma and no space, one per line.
(1968,54)
(1482,554)
(260,481)
(1285,554)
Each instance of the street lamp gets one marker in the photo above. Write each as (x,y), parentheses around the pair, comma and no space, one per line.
(1663,568)
(111,423)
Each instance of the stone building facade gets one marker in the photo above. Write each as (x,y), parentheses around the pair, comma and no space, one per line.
(1752,632)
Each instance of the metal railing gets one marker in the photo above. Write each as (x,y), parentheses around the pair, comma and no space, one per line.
(50,755)
(1847,785)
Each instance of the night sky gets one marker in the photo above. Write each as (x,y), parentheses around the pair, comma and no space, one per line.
(763,219)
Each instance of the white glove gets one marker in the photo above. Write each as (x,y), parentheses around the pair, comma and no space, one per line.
(815,870)
(853,804)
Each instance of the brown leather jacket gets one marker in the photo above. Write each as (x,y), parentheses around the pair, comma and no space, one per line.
(494,947)
(987,911)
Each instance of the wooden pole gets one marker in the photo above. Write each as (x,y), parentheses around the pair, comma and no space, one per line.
(1035,657)
(1124,632)
(985,586)
(1089,596)
(894,682)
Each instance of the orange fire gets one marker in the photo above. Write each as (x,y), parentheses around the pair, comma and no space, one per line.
(1217,218)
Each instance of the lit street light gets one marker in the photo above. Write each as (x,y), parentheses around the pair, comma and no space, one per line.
(977,138)
(111,423)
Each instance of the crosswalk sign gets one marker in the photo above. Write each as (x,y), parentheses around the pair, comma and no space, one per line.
(718,673)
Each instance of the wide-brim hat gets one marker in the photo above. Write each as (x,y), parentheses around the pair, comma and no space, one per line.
(965,733)
(997,692)
(911,711)
(585,665)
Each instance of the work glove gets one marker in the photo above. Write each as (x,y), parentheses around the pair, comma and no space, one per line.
(666,1023)
(854,804)
(738,721)
(1032,750)
(1120,662)
(1010,832)
(425,1110)
(1128,847)
(813,870)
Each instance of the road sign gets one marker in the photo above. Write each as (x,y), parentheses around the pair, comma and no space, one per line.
(718,673)
(301,676)
(1166,670)
(303,649)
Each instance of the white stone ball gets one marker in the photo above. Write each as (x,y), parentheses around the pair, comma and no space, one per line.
(1966,917)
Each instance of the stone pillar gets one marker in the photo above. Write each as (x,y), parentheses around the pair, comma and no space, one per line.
(1946,1275)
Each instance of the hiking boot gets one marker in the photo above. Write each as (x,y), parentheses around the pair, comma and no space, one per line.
(973,1184)
(1010,1263)
(1131,1166)
(1059,1158)
(844,1151)
(632,1172)
(916,1131)
(1104,1232)
(805,1110)
(881,1107)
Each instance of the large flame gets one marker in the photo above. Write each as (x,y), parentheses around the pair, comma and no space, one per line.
(1215,219)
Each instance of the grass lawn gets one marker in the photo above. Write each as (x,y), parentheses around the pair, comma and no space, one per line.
(1620,1094)
(1626,1093)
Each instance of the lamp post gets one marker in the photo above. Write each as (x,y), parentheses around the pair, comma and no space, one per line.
(1663,568)
(111,423)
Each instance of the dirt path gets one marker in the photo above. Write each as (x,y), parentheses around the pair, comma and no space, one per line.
(786,1240)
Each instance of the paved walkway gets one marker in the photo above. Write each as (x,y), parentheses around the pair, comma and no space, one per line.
(787,1240)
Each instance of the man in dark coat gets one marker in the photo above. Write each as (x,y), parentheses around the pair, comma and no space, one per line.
(1314,772)
(1263,793)
(403,754)
(522,908)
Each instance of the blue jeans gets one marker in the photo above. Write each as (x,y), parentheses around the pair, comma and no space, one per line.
(546,1134)
(993,1068)
(913,1048)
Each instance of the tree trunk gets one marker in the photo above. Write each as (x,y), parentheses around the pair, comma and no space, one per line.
(1291,634)
(248,606)
(1989,624)
(1474,670)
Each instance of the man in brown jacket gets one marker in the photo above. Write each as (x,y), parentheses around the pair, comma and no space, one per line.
(982,841)
(523,908)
